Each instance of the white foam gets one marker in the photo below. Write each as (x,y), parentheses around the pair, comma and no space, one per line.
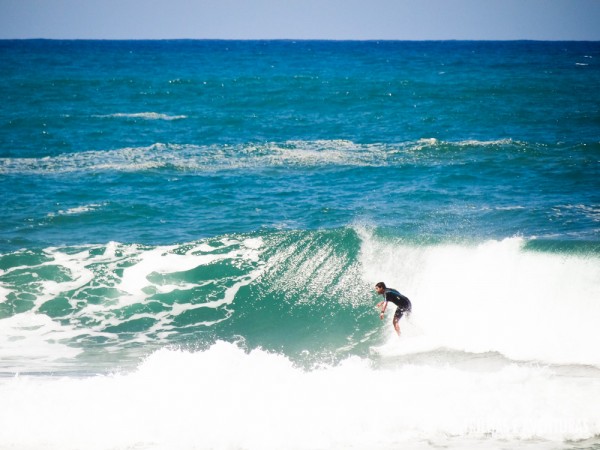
(432,142)
(4,291)
(146,116)
(181,400)
(162,260)
(78,210)
(253,243)
(23,337)
(495,297)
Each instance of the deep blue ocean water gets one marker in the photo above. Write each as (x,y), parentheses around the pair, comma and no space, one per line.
(196,226)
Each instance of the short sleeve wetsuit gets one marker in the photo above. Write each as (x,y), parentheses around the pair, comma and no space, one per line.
(401,301)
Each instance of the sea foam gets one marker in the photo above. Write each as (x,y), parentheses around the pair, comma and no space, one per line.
(146,116)
(198,158)
(180,400)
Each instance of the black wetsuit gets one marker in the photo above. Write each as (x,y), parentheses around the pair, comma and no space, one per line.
(401,301)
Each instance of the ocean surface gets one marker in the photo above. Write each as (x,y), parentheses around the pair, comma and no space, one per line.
(191,232)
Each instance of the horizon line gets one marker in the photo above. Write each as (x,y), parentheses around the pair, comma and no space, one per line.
(292,40)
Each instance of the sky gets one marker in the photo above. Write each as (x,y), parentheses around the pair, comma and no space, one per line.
(301,19)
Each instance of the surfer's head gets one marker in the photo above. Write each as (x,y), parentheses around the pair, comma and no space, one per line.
(380,287)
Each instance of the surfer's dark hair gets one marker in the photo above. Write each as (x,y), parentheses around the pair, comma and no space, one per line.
(381,284)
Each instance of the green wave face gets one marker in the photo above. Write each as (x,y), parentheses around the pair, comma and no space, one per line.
(297,292)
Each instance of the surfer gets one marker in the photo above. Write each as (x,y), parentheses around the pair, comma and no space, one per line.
(391,295)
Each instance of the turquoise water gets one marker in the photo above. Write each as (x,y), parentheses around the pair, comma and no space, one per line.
(191,225)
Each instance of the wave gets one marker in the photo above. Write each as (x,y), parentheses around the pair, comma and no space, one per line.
(307,294)
(303,154)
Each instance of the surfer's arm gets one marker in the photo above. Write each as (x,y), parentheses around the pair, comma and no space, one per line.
(383,308)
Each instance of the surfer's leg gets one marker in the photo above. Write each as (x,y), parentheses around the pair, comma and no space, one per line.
(396,327)
(397,316)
